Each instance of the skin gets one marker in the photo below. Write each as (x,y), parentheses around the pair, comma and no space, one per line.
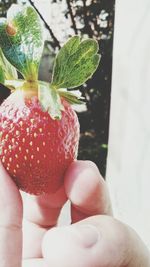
(94,239)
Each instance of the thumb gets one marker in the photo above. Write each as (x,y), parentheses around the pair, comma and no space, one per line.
(98,241)
(10,222)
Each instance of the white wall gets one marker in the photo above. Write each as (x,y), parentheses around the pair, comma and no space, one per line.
(128,169)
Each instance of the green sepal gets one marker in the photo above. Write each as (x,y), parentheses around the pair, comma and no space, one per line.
(7,71)
(75,63)
(50,101)
(21,40)
(2,75)
(74,98)
(14,83)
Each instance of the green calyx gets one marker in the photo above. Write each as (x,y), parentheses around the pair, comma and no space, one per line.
(7,71)
(49,97)
(75,63)
(21,46)
(21,40)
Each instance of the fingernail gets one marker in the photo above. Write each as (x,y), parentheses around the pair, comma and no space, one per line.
(88,235)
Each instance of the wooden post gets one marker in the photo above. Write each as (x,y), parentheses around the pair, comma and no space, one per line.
(128,167)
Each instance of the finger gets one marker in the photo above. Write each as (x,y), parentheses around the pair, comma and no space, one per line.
(40,214)
(87,190)
(97,241)
(10,222)
(44,210)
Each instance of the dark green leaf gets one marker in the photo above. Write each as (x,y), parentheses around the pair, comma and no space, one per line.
(63,56)
(50,101)
(75,63)
(9,71)
(21,40)
(72,97)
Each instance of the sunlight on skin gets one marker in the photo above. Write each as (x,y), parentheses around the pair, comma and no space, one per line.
(98,240)
(34,263)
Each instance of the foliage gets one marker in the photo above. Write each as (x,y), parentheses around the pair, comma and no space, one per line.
(4,5)
(22,41)
(22,45)
(75,63)
(7,70)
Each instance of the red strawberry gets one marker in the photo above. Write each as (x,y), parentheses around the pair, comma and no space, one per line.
(39,131)
(35,149)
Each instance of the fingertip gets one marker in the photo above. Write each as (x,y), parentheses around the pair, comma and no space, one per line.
(86,188)
(81,165)
(79,175)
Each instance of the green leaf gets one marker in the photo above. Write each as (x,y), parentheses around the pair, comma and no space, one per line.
(2,75)
(105,146)
(72,97)
(75,63)
(50,101)
(9,72)
(21,40)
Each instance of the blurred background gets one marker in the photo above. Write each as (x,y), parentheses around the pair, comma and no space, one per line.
(87,18)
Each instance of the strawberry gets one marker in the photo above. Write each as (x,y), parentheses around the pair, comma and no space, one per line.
(39,130)
(35,149)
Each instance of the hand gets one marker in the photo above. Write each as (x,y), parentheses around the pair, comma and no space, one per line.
(95,238)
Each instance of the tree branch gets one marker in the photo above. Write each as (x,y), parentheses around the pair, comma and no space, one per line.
(46,25)
(86,21)
(72,16)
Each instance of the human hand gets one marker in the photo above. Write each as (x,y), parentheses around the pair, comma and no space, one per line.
(95,238)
